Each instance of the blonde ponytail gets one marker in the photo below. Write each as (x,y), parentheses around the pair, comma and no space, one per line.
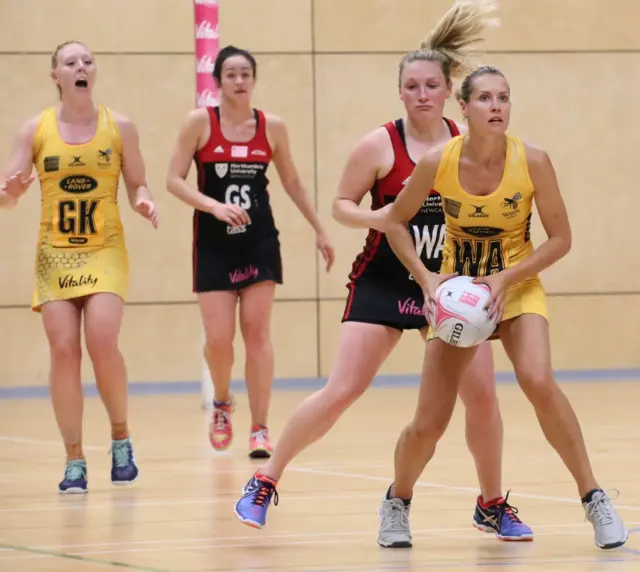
(452,41)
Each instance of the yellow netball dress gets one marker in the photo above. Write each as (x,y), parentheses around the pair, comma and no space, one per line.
(81,246)
(487,234)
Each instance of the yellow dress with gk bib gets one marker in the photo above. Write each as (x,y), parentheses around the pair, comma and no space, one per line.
(487,234)
(81,245)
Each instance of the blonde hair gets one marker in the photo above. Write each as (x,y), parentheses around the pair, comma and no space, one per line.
(54,57)
(452,41)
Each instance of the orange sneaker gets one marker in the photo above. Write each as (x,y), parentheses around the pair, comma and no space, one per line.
(259,442)
(220,430)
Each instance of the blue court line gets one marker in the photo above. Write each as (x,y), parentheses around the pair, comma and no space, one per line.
(311,383)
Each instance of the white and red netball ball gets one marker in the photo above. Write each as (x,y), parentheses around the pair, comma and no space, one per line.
(460,318)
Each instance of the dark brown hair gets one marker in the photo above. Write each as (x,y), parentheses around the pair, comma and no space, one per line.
(228,52)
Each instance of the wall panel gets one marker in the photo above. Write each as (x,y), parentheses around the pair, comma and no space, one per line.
(546,25)
(159,343)
(161,260)
(572,65)
(593,167)
(285,88)
(405,359)
(371,85)
(274,26)
(140,26)
(587,332)
(553,107)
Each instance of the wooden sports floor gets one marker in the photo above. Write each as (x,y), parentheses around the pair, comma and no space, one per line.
(179,516)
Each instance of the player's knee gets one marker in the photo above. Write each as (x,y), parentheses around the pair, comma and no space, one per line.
(537,383)
(430,427)
(479,397)
(340,398)
(218,344)
(256,336)
(67,350)
(101,344)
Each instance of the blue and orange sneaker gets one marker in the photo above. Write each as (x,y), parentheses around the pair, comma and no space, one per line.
(75,478)
(499,517)
(124,470)
(252,508)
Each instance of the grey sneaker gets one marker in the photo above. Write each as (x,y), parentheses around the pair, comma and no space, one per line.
(610,531)
(394,524)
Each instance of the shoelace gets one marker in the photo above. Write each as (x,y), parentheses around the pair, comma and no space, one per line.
(510,511)
(74,471)
(399,520)
(221,419)
(599,508)
(263,494)
(260,436)
(120,454)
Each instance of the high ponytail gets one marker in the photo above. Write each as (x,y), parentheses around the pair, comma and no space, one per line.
(452,41)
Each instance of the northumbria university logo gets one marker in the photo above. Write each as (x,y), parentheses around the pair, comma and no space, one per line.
(221,169)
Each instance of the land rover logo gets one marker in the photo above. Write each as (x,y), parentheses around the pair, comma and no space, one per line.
(78,184)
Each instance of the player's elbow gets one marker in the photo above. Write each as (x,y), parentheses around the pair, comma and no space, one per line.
(564,243)
(173,182)
(293,186)
(337,209)
(567,243)
(393,228)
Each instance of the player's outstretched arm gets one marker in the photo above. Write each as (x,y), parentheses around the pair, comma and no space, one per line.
(18,177)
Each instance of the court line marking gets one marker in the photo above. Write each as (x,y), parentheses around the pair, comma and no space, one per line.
(325,472)
(35,552)
(422,484)
(266,541)
(57,444)
(83,504)
(441,486)
(277,536)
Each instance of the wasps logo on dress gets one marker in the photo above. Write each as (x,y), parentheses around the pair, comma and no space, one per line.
(512,205)
(104,158)
(512,202)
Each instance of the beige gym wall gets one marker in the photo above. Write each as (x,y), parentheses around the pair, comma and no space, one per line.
(329,68)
